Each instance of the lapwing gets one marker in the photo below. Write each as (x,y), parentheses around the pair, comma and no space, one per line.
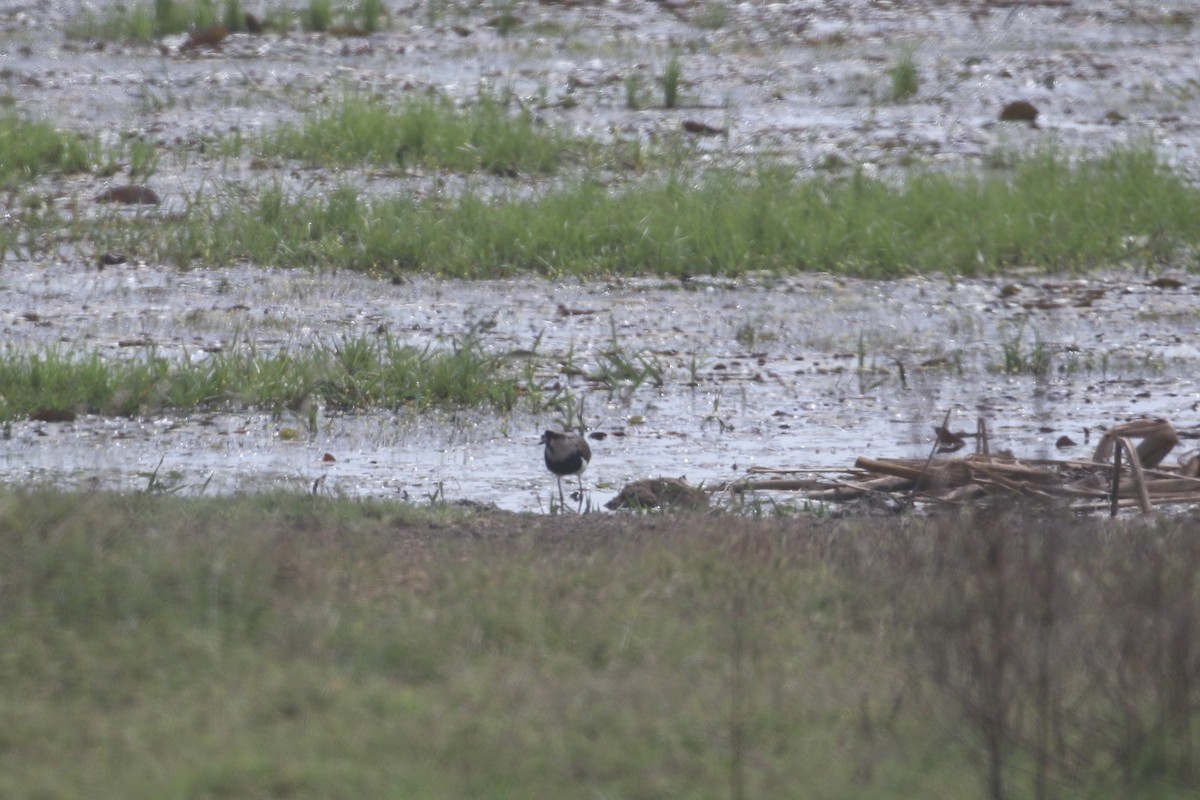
(566,454)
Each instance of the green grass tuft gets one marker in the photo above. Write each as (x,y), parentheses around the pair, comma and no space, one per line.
(672,78)
(29,149)
(906,81)
(429,131)
(317,16)
(373,15)
(147,21)
(234,15)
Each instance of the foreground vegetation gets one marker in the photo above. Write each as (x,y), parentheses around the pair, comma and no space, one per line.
(291,646)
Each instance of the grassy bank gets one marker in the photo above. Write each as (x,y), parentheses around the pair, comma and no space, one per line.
(286,646)
(1048,212)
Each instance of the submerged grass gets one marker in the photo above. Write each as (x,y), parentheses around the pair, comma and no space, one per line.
(292,646)
(1048,212)
(356,374)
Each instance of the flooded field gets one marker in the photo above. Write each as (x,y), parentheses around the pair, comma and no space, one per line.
(807,371)
(804,372)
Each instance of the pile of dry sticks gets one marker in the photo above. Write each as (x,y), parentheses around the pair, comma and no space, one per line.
(1118,475)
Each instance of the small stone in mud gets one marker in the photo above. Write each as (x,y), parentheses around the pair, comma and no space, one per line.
(701,128)
(110,259)
(129,195)
(1020,111)
(1064,442)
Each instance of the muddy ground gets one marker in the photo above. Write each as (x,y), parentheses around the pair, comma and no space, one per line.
(809,371)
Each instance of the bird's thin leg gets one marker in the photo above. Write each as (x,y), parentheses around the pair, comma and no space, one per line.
(580,508)
(561,502)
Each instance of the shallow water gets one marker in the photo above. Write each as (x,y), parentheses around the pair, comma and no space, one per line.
(806,372)
(819,384)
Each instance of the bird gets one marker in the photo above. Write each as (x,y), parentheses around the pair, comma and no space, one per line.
(566,454)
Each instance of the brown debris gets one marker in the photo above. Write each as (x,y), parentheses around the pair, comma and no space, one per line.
(1157,435)
(210,37)
(701,128)
(1119,474)
(665,493)
(129,195)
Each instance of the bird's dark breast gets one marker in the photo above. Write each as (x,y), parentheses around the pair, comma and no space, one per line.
(570,465)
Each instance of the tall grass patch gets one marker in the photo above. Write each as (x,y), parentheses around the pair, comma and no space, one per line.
(1066,650)
(358,373)
(277,644)
(317,15)
(905,79)
(671,80)
(145,21)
